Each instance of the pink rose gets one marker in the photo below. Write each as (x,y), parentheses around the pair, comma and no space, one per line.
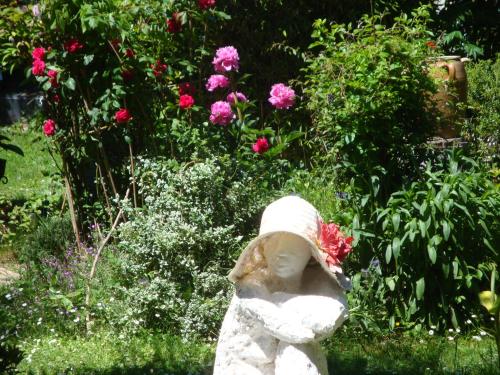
(333,242)
(186,88)
(52,74)
(38,68)
(38,53)
(282,97)
(220,113)
(49,127)
(73,45)
(186,101)
(232,98)
(217,81)
(205,4)
(226,59)
(123,115)
(261,146)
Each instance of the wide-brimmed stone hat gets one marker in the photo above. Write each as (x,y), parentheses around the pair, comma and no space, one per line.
(294,215)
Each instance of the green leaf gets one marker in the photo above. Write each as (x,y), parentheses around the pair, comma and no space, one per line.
(46,86)
(396,245)
(446,230)
(390,283)
(431,250)
(420,288)
(70,84)
(396,219)
(423,229)
(87,59)
(388,254)
(423,207)
(489,300)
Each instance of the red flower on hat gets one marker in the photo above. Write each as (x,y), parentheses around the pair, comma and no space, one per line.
(333,242)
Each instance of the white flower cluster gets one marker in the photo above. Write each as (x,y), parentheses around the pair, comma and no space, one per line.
(179,247)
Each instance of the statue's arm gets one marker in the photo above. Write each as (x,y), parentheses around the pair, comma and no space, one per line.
(329,314)
(282,325)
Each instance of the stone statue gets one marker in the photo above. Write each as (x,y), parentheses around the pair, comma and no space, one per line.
(290,294)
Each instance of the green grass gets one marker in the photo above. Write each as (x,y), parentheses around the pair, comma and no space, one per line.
(107,353)
(28,175)
(407,355)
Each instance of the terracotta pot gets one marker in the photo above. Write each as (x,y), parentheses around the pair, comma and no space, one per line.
(452,91)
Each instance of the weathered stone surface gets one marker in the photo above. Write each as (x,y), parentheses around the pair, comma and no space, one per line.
(277,333)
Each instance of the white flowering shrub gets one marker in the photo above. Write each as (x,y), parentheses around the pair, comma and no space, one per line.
(179,247)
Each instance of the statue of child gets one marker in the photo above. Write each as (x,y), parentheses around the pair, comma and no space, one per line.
(289,295)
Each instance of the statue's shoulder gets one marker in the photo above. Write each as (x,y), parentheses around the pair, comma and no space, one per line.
(316,281)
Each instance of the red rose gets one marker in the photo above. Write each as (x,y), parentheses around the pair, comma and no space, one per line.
(430,44)
(38,53)
(127,74)
(52,74)
(158,68)
(115,43)
(334,243)
(186,101)
(186,88)
(123,115)
(261,146)
(174,24)
(56,98)
(73,45)
(205,4)
(49,127)
(38,67)
(129,53)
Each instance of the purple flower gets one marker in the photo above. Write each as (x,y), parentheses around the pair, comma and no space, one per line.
(36,10)
(221,113)
(217,81)
(231,98)
(226,59)
(282,97)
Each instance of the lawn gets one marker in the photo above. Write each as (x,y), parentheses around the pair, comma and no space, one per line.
(158,353)
(32,182)
(29,176)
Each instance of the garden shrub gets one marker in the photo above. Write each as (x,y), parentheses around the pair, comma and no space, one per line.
(179,247)
(483,129)
(368,90)
(437,241)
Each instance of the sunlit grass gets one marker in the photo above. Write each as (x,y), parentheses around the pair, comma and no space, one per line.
(28,175)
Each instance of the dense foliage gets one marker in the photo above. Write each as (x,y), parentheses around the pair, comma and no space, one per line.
(482,129)
(368,90)
(439,241)
(176,122)
(178,249)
